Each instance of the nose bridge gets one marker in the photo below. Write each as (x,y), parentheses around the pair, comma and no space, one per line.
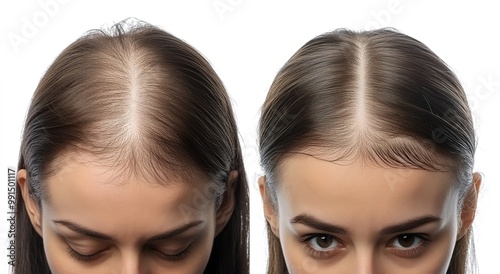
(365,260)
(131,262)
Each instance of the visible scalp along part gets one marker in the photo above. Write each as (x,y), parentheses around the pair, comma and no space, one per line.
(135,88)
(120,75)
(361,121)
(147,106)
(378,96)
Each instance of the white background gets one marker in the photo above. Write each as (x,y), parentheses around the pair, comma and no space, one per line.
(247,41)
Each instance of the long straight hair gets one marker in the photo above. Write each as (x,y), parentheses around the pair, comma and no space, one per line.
(178,121)
(416,114)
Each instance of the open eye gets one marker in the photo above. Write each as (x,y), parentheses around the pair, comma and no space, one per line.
(407,241)
(321,246)
(323,242)
(409,245)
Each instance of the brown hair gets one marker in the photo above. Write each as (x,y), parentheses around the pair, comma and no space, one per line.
(379,96)
(144,101)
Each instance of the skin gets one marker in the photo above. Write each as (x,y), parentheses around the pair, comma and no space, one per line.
(318,199)
(133,217)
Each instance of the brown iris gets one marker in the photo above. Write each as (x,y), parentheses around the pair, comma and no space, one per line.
(406,240)
(324,241)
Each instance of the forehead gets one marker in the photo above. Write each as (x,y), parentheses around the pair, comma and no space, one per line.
(353,191)
(89,194)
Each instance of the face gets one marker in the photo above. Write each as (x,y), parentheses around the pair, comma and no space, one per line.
(92,223)
(356,218)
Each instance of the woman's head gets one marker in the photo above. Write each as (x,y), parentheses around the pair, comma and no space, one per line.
(367,145)
(130,157)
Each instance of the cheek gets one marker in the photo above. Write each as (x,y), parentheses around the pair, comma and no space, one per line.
(290,251)
(440,254)
(200,255)
(195,263)
(57,255)
(298,263)
(294,252)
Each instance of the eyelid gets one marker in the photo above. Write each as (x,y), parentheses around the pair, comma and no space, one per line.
(317,253)
(181,241)
(173,257)
(83,240)
(83,257)
(410,252)
(160,249)
(309,236)
(86,244)
(422,236)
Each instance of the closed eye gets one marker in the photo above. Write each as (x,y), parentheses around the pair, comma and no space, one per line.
(177,256)
(84,257)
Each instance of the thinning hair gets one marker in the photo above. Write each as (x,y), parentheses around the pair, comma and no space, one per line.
(144,102)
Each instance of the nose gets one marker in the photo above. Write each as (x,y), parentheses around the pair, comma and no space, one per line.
(365,262)
(131,270)
(132,266)
(130,263)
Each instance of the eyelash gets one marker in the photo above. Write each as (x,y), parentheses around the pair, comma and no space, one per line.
(401,252)
(175,257)
(412,252)
(83,257)
(88,258)
(316,253)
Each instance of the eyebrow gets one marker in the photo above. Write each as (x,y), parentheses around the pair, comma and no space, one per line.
(316,223)
(98,235)
(411,224)
(313,222)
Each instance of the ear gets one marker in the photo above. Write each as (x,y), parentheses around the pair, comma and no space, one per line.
(269,210)
(469,205)
(227,207)
(29,202)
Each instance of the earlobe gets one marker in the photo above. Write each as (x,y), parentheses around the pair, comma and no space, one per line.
(469,205)
(30,204)
(269,209)
(226,209)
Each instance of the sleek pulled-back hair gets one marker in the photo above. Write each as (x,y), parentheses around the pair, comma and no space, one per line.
(143,101)
(378,96)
